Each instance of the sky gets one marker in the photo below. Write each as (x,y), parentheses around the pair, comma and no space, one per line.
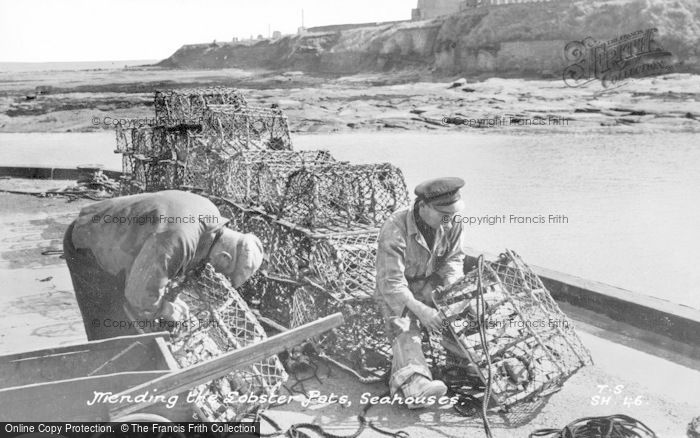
(105,30)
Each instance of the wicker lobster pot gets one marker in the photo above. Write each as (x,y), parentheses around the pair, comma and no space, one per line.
(360,343)
(221,321)
(342,195)
(258,177)
(339,260)
(151,157)
(532,346)
(238,129)
(187,105)
(337,271)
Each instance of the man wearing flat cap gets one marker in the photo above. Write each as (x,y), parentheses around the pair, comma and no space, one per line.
(420,248)
(123,252)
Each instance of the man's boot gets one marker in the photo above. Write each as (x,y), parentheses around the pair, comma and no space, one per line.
(420,387)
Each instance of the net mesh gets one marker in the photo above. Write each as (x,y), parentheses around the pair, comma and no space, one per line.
(159,158)
(258,177)
(234,128)
(198,142)
(531,343)
(360,343)
(342,195)
(310,274)
(187,105)
(341,262)
(221,321)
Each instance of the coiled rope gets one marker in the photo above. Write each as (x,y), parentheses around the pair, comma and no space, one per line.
(612,426)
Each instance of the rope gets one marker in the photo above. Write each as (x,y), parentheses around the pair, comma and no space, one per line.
(612,426)
(481,319)
(295,430)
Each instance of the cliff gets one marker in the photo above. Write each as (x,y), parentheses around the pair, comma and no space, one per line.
(511,40)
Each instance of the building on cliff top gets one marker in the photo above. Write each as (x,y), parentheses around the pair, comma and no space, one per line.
(427,9)
(434,8)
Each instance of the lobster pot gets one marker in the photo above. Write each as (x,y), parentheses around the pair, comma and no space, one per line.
(359,344)
(185,106)
(220,322)
(210,171)
(151,158)
(260,176)
(272,297)
(338,260)
(152,175)
(235,214)
(128,162)
(532,345)
(341,262)
(149,141)
(248,128)
(342,194)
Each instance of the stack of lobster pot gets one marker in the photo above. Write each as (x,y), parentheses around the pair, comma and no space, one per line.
(318,218)
(197,136)
(321,241)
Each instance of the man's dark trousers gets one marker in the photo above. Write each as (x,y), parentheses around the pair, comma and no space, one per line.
(100,295)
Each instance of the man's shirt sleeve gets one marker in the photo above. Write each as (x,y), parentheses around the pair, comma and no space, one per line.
(392,286)
(157,262)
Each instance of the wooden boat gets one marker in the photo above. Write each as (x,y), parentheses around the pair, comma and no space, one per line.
(108,379)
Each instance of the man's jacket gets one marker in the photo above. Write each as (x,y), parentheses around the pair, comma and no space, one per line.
(405,263)
(149,238)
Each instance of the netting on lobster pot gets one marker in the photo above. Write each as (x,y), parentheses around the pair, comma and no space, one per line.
(531,345)
(211,171)
(360,344)
(220,322)
(247,128)
(151,174)
(340,261)
(186,105)
(271,296)
(151,157)
(148,141)
(236,215)
(260,176)
(342,194)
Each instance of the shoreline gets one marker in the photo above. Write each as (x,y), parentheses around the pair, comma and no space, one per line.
(390,102)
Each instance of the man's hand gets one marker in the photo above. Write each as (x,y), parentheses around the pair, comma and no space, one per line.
(175,311)
(428,316)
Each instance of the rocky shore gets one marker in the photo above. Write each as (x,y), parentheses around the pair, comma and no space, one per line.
(89,101)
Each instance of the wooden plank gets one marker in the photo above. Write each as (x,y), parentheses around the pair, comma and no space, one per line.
(121,342)
(76,364)
(166,355)
(130,359)
(676,321)
(67,400)
(187,378)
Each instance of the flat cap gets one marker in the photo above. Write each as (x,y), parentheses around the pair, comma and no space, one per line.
(442,193)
